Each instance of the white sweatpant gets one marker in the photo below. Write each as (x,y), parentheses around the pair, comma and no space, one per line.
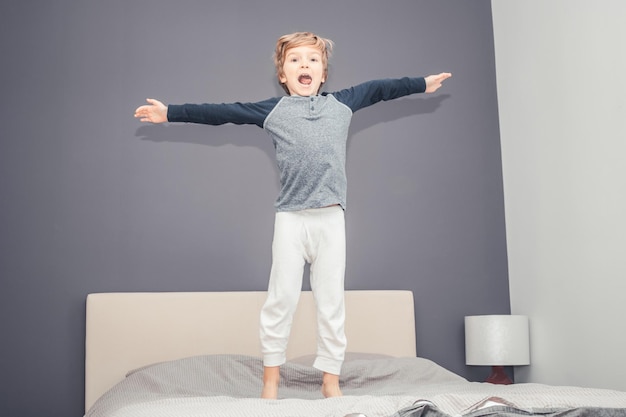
(316,236)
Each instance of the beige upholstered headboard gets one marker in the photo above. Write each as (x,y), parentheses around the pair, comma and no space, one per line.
(129,330)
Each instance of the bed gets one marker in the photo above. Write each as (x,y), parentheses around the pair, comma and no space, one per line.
(194,354)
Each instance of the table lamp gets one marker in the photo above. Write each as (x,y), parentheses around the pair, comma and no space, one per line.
(497,341)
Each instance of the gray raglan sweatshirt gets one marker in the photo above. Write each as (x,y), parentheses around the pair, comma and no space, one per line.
(309,134)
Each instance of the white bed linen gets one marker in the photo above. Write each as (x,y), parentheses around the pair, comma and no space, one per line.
(228,385)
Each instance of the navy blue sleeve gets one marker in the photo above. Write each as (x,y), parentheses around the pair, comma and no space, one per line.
(219,114)
(372,92)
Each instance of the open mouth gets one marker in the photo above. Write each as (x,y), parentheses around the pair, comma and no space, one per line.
(305,79)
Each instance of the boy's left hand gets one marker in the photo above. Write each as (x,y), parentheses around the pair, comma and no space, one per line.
(433,82)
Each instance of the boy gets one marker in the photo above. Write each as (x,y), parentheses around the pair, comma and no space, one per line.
(310,132)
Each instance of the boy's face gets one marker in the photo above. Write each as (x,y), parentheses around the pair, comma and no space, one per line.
(303,71)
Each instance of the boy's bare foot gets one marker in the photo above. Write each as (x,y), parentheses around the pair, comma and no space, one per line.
(330,386)
(331,390)
(271,378)
(270,391)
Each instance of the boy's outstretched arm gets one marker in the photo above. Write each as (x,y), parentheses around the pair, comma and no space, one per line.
(154,112)
(433,82)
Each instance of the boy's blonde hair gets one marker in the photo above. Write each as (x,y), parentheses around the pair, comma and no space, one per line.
(293,40)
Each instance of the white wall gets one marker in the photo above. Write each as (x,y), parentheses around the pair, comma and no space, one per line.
(561,73)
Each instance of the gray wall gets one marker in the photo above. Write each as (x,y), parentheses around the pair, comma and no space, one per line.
(94,201)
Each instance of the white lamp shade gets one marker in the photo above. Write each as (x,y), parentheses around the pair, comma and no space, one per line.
(500,340)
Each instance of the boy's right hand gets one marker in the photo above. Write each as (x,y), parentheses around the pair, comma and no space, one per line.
(154,112)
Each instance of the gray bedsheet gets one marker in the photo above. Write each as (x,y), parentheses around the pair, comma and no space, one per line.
(229,385)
